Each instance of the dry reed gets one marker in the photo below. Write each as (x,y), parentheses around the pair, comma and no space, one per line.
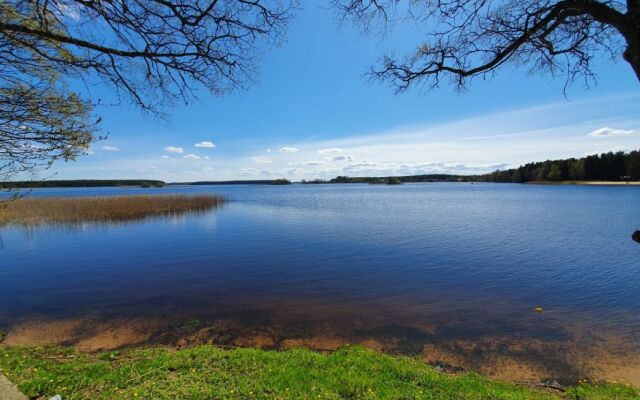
(79,210)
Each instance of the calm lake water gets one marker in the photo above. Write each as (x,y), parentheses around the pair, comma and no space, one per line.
(409,266)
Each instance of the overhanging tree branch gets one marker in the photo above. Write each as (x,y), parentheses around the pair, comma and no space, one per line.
(473,38)
(153,52)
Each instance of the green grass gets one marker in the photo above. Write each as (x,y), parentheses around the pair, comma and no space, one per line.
(207,372)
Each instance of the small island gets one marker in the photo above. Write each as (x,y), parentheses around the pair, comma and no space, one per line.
(281,182)
(391,180)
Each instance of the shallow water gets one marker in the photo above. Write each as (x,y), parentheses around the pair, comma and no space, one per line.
(449,271)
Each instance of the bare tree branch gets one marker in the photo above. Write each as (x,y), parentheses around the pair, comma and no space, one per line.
(153,52)
(473,38)
(150,47)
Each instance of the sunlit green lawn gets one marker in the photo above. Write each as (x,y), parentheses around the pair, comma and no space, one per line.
(207,372)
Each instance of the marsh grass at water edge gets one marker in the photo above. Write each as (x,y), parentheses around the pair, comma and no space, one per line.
(31,212)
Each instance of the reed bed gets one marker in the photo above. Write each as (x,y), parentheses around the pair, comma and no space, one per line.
(80,210)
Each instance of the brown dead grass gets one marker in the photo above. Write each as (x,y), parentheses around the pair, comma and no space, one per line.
(78,210)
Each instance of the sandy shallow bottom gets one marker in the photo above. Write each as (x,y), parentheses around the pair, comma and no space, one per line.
(516,359)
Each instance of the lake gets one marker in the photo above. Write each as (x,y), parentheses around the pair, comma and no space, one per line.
(450,272)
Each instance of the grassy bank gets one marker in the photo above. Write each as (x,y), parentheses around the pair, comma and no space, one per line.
(207,372)
(75,210)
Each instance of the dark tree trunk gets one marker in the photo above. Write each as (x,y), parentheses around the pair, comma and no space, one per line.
(633,58)
(632,53)
(632,35)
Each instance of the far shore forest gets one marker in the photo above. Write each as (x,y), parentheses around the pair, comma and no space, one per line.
(605,167)
(610,166)
(615,167)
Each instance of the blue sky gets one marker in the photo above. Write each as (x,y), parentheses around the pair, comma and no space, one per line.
(311,114)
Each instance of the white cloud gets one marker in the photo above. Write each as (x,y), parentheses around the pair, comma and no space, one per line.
(191,157)
(68,10)
(166,157)
(207,158)
(268,150)
(145,169)
(172,149)
(110,148)
(621,148)
(449,168)
(295,171)
(464,145)
(289,150)
(206,145)
(341,158)
(368,168)
(603,132)
(311,163)
(261,160)
(363,164)
(332,150)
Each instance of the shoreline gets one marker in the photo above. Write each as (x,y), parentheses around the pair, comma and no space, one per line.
(528,360)
(208,371)
(584,183)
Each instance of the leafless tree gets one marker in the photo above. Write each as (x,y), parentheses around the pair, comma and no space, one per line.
(473,38)
(152,52)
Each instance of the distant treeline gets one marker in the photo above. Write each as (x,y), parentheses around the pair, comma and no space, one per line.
(610,166)
(128,182)
(238,182)
(397,179)
(81,183)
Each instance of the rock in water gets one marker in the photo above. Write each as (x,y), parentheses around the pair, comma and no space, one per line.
(636,236)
